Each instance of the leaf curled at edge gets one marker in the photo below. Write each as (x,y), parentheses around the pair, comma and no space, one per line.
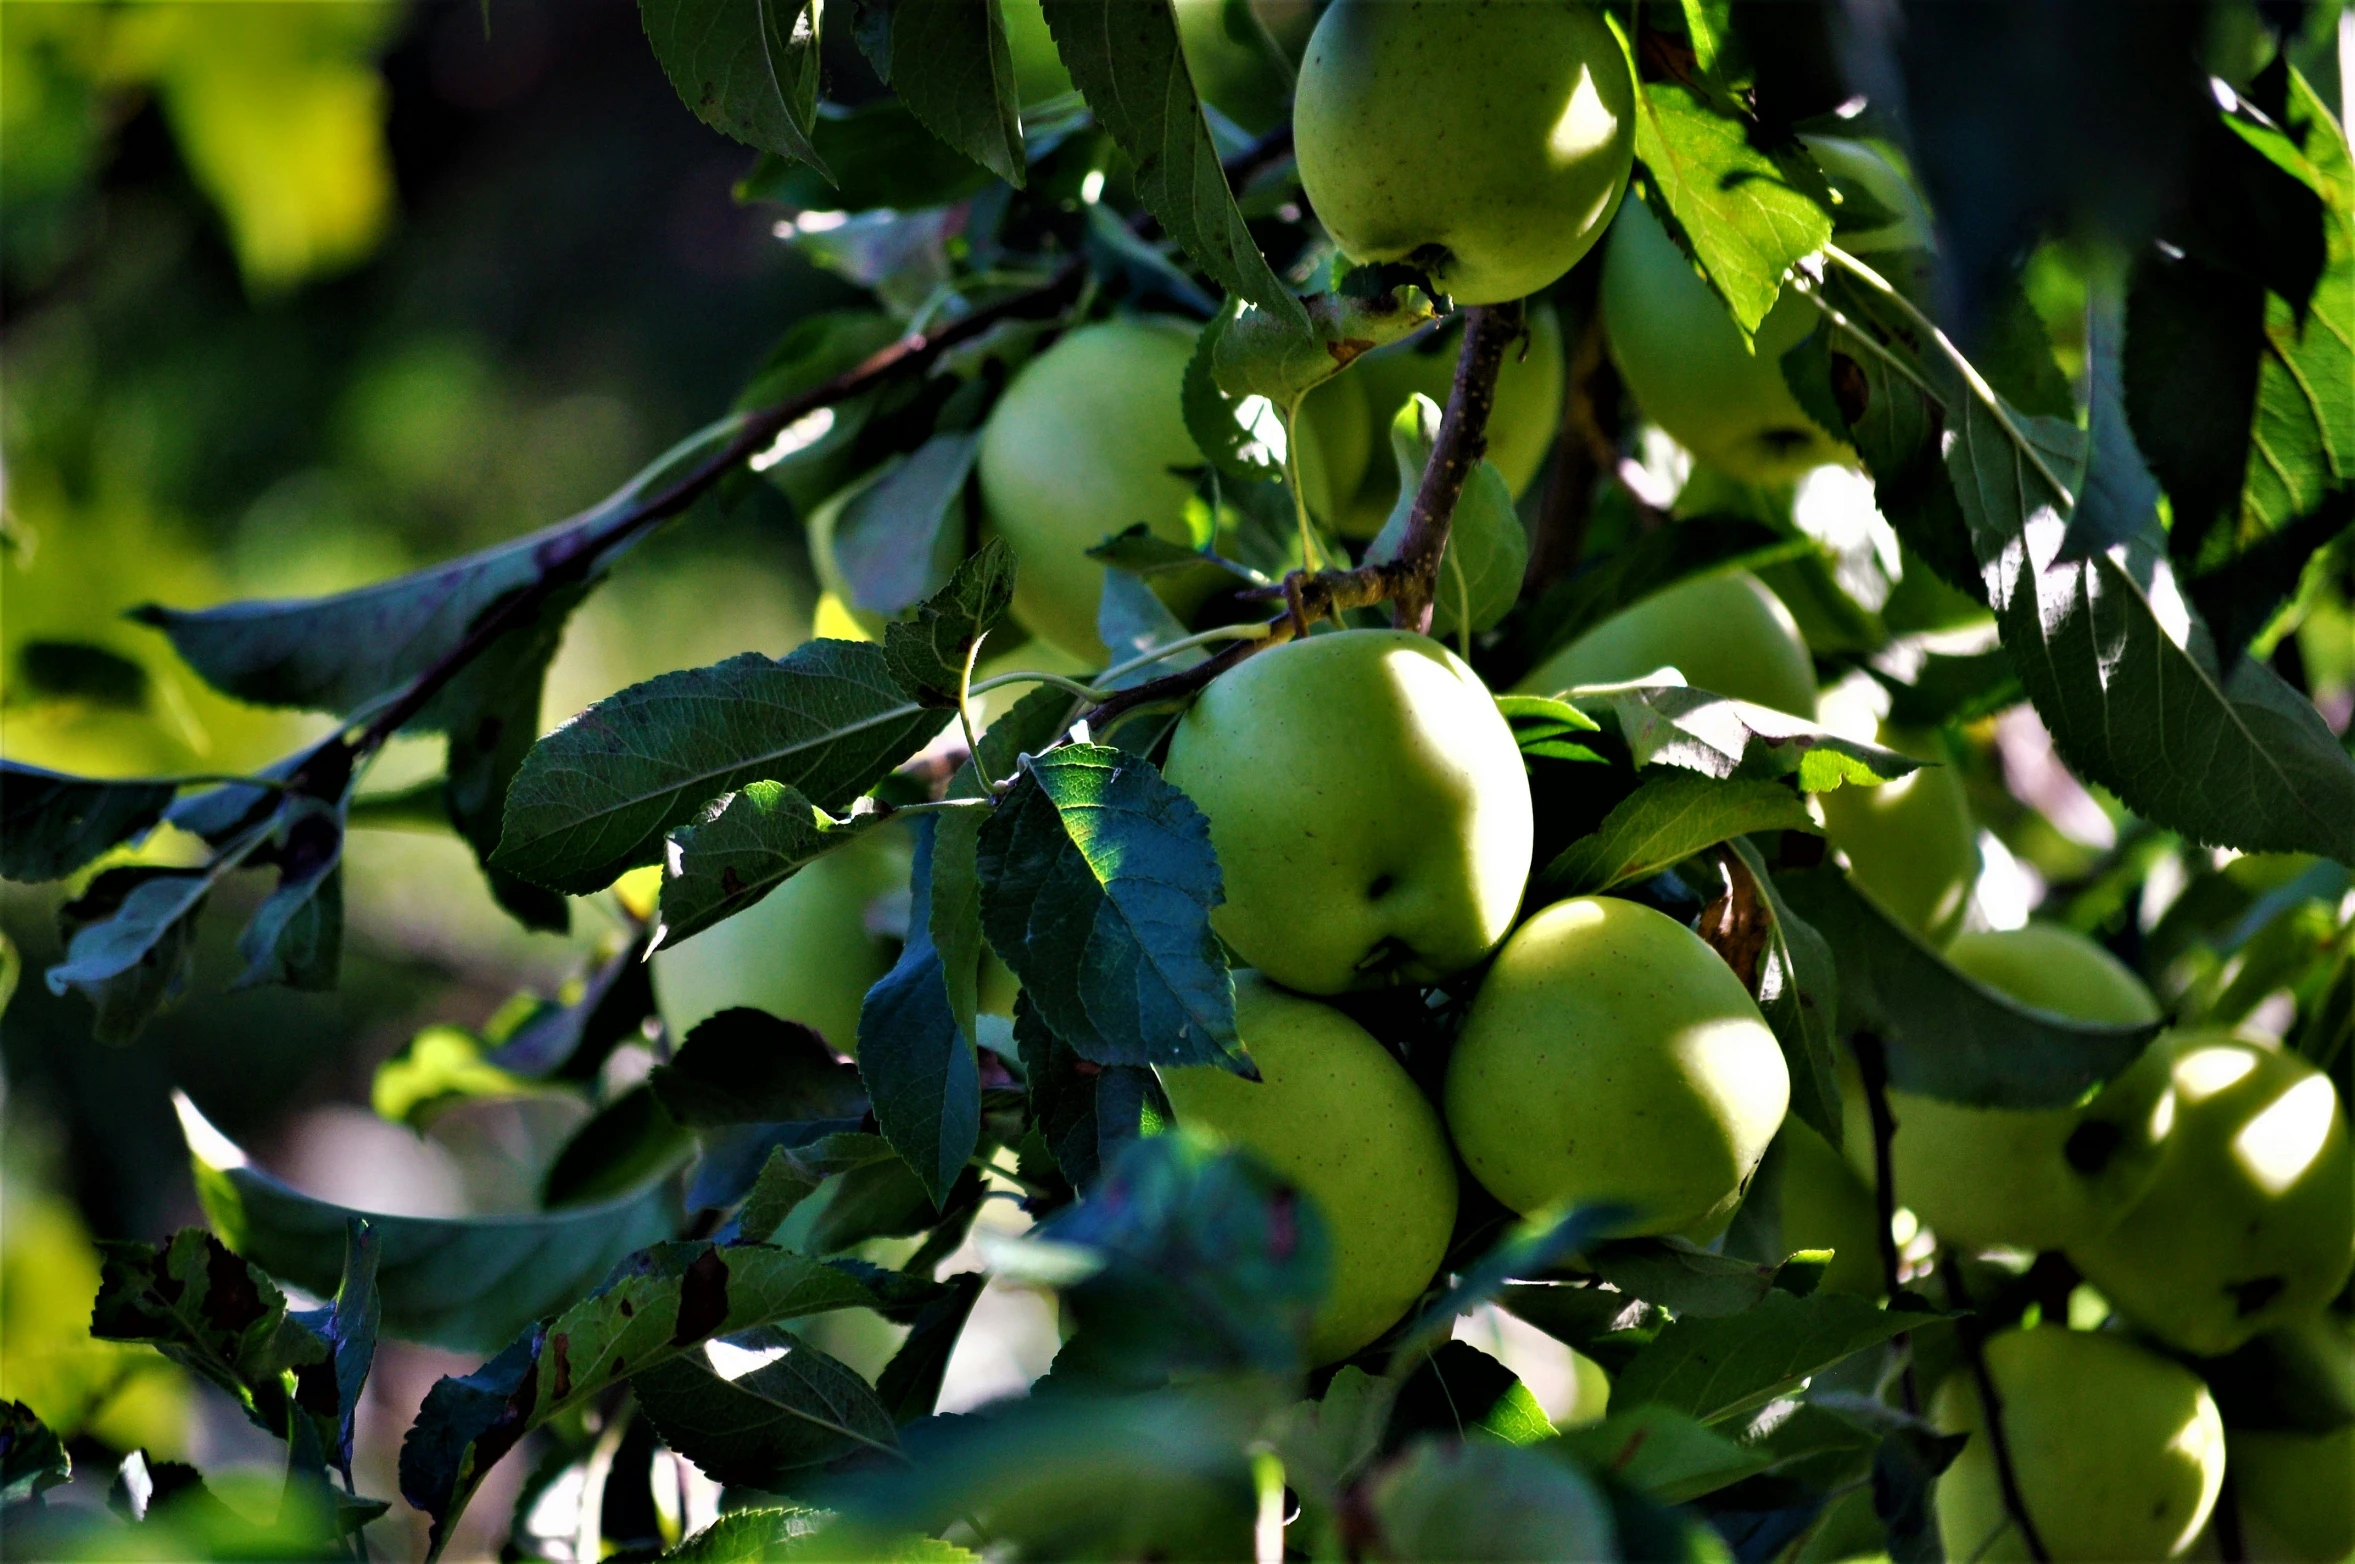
(743,847)
(1666,820)
(927,654)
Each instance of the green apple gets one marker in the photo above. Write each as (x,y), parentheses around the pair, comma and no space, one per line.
(2038,1179)
(1484,143)
(1611,1055)
(1237,76)
(1854,164)
(1725,632)
(2118,1453)
(1522,427)
(2296,1487)
(1368,806)
(1337,442)
(1827,1206)
(1337,1115)
(1911,844)
(803,952)
(2251,1221)
(1684,359)
(1088,440)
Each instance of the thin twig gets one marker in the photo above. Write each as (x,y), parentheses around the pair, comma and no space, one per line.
(1971,1337)
(1872,1063)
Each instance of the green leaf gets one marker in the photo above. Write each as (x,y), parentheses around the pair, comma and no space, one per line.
(441,1067)
(951,67)
(1681,1276)
(863,1190)
(628,1142)
(296,935)
(1799,994)
(898,537)
(595,797)
(1260,352)
(347,1323)
(1541,727)
(1738,208)
(465,1283)
(1325,1444)
(909,1385)
(928,654)
(1530,1247)
(879,159)
(1476,1500)
(52,824)
(1487,547)
(1460,1392)
(1718,736)
(338,653)
(1097,883)
(1672,816)
(752,1408)
(32,1458)
(1074,1104)
(920,1065)
(747,68)
(1670,1455)
(1604,1324)
(744,1066)
(955,924)
(131,942)
(1233,452)
(1949,1036)
(657,1307)
(1712,1369)
(492,714)
(1127,62)
(744,846)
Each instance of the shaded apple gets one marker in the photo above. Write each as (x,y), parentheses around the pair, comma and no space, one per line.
(1725,632)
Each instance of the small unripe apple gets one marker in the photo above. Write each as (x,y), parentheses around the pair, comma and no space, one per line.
(2038,1178)
(1911,844)
(1827,1206)
(1857,165)
(1684,359)
(1611,1055)
(1725,632)
(2118,1453)
(2250,1223)
(1487,144)
(1337,444)
(1522,426)
(803,952)
(1338,1116)
(1368,806)
(1088,440)
(2296,1487)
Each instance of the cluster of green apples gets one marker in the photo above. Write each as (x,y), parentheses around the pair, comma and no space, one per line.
(1373,822)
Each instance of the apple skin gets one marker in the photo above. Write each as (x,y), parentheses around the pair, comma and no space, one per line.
(1684,360)
(1486,142)
(2039,1179)
(803,952)
(1610,1055)
(1522,427)
(2119,1453)
(2251,1222)
(1725,632)
(1334,1113)
(1911,844)
(2296,1489)
(1082,446)
(1827,1206)
(1338,439)
(1851,163)
(1369,809)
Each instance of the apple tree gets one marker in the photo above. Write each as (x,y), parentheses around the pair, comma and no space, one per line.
(1435,616)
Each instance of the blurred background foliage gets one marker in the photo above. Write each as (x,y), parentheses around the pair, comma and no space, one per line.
(298,296)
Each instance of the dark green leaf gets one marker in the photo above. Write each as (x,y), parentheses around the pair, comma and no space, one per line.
(348,1324)
(1127,62)
(1799,994)
(32,1459)
(656,1307)
(920,1066)
(571,1042)
(951,67)
(595,797)
(1097,883)
(744,847)
(492,714)
(1063,1091)
(755,1536)
(52,824)
(1948,1036)
(909,1385)
(296,935)
(748,68)
(1951,690)
(131,941)
(78,671)
(751,1408)
(745,1066)
(1604,1324)
(1533,1246)
(1672,816)
(1712,1369)
(1905,1479)
(1670,1455)
(898,538)
(456,1282)
(1487,547)
(629,1141)
(1460,1392)
(928,654)
(1234,452)
(1479,1500)
(878,157)
(1739,210)
(1718,736)
(1681,1276)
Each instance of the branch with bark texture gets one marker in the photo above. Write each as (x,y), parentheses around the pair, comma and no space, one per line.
(1406,581)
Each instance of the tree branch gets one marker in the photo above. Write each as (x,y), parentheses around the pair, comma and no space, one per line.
(1872,1063)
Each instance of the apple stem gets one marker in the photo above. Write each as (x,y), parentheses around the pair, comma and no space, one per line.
(1970,1334)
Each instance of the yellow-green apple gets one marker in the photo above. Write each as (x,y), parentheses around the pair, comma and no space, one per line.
(2250,1223)
(1611,1055)
(1911,844)
(1486,143)
(1725,632)
(1334,1113)
(1683,358)
(2038,1178)
(2118,1452)
(803,952)
(1368,806)
(1827,1206)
